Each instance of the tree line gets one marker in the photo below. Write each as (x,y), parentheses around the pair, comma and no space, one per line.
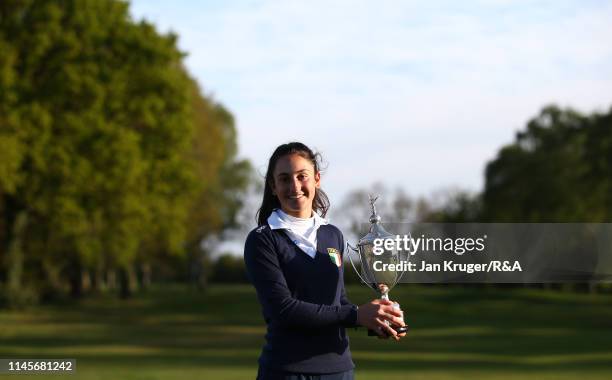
(112,161)
(558,169)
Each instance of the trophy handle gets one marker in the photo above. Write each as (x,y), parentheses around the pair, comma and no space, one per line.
(403,257)
(348,250)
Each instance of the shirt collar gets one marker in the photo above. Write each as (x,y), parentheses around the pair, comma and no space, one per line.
(278,219)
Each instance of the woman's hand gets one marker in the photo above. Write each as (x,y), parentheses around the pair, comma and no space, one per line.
(374,314)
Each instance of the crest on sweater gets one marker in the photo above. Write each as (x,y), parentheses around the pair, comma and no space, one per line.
(334,255)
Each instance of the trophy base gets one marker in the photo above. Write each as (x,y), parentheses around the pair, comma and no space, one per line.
(399,330)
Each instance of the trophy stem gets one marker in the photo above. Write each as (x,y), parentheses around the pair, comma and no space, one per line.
(384,291)
(384,294)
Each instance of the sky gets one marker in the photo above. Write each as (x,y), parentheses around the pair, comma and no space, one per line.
(417,95)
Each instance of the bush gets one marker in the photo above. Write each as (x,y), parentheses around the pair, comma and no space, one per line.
(18,299)
(229,269)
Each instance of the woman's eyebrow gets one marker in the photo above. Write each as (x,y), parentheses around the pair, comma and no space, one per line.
(305,170)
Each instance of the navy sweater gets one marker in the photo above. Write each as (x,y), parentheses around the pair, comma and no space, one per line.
(303,301)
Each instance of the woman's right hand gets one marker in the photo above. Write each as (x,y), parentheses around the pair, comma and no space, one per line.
(374,314)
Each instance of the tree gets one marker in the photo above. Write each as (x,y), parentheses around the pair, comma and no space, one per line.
(223,179)
(557,170)
(105,153)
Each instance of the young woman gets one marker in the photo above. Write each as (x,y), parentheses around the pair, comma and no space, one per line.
(294,260)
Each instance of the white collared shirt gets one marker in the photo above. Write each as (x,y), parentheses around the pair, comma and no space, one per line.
(303,232)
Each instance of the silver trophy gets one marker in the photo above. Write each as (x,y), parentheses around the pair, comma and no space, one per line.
(382,280)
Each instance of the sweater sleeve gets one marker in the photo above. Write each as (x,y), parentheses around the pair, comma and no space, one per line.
(265,273)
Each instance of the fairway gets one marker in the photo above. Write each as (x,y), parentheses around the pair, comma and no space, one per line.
(173,332)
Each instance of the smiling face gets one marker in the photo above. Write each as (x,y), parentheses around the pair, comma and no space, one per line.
(294,184)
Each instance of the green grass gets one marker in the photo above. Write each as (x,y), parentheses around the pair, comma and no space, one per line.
(456,333)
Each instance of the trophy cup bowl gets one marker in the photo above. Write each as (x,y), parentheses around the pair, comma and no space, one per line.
(383,279)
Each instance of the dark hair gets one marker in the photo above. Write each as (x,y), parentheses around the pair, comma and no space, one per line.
(320,203)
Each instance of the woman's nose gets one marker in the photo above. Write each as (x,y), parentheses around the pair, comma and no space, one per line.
(295,185)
